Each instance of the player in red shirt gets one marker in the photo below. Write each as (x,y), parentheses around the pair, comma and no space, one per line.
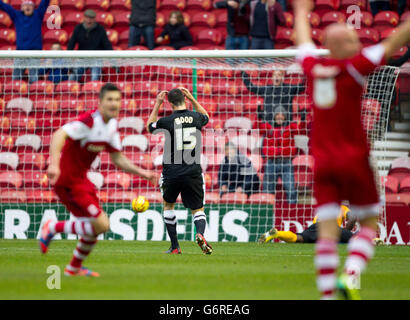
(73,149)
(339,145)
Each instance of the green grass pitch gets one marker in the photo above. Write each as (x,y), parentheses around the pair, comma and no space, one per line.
(140,270)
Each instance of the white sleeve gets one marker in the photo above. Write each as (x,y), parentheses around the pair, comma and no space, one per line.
(76,130)
(115,142)
(374,53)
(306,49)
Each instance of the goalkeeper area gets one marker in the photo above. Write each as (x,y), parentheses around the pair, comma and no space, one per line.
(139,270)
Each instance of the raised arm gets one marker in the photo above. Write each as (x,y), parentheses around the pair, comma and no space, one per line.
(56,145)
(158,103)
(195,103)
(251,87)
(302,26)
(8,9)
(400,38)
(42,8)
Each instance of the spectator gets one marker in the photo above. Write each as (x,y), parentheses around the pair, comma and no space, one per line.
(279,149)
(56,72)
(401,6)
(142,22)
(278,94)
(236,173)
(28,22)
(238,23)
(177,31)
(264,17)
(379,5)
(89,35)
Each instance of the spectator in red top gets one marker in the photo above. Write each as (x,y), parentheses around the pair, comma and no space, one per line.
(279,149)
(264,17)
(238,23)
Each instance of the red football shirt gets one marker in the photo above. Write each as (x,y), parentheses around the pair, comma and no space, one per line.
(88,136)
(335,87)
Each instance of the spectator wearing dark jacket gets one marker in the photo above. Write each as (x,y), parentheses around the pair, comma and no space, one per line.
(278,94)
(236,173)
(279,148)
(238,23)
(177,31)
(265,16)
(56,70)
(89,35)
(142,22)
(28,22)
(379,5)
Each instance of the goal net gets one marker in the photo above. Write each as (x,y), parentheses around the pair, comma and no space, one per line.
(255,149)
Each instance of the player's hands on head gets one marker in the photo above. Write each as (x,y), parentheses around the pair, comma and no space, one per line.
(161,96)
(53,173)
(186,93)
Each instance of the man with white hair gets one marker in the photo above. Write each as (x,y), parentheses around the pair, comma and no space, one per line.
(340,148)
(28,23)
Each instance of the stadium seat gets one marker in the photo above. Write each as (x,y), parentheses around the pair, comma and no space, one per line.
(405,185)
(344,4)
(71,4)
(221,19)
(4,124)
(23,124)
(200,5)
(13,196)
(385,20)
(92,87)
(137,48)
(5,21)
(121,196)
(102,196)
(400,165)
(41,88)
(20,105)
(146,89)
(234,197)
(35,179)
(301,102)
(239,123)
(314,19)
(8,47)
(212,197)
(366,19)
(7,36)
(203,19)
(11,179)
(97,4)
(164,48)
(332,17)
(6,142)
(120,5)
(284,38)
(142,159)
(105,18)
(68,87)
(39,196)
(261,198)
(139,183)
(121,20)
(302,143)
(288,19)
(131,125)
(368,36)
(31,161)
(172,5)
(15,86)
(52,36)
(113,36)
(154,197)
(208,37)
(72,19)
(399,53)
(391,184)
(45,105)
(303,171)
(138,141)
(9,160)
(400,199)
(386,33)
(371,113)
(96,178)
(317,36)
(117,180)
(28,141)
(323,6)
(161,20)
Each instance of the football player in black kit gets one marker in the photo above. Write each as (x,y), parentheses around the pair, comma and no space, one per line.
(181,172)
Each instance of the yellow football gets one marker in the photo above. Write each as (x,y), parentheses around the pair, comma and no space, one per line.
(140,204)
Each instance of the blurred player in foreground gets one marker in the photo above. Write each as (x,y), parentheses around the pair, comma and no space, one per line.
(339,145)
(182,172)
(309,235)
(73,148)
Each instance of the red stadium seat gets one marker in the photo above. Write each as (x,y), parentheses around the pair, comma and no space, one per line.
(387,33)
(234,197)
(365,19)
(6,143)
(131,125)
(399,53)
(288,19)
(314,19)
(71,4)
(113,36)
(262,198)
(385,20)
(317,36)
(401,165)
(53,17)
(303,171)
(42,87)
(105,18)
(92,87)
(13,196)
(15,86)
(117,180)
(35,179)
(141,159)
(200,5)
(161,20)
(124,35)
(203,19)
(164,48)
(400,199)
(135,141)
(11,179)
(323,6)
(371,113)
(154,197)
(7,36)
(24,105)
(173,5)
(72,19)
(391,184)
(8,47)
(368,36)
(344,4)
(125,87)
(284,38)
(146,88)
(121,196)
(405,185)
(8,160)
(97,4)
(137,48)
(122,20)
(28,142)
(45,105)
(332,17)
(5,21)
(32,161)
(208,37)
(68,87)
(212,197)
(24,124)
(4,124)
(38,196)
(120,5)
